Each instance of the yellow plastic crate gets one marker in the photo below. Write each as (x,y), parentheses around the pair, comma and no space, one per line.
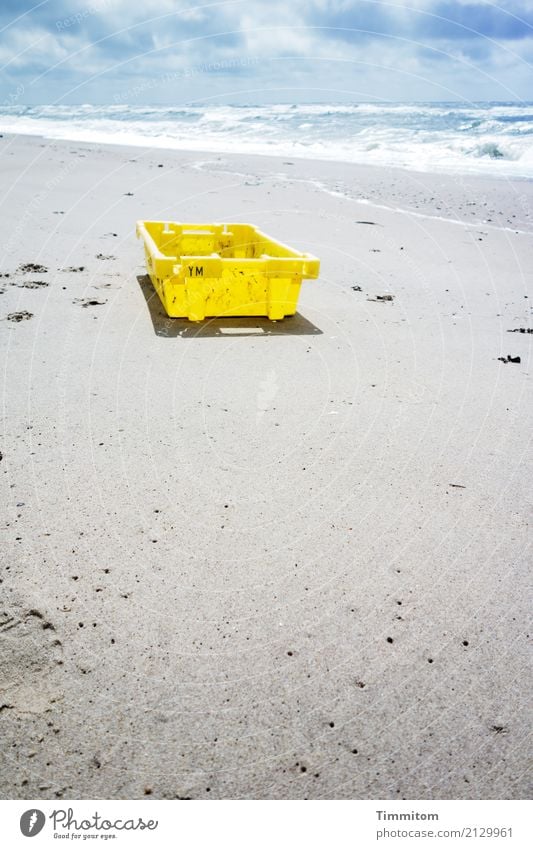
(201,270)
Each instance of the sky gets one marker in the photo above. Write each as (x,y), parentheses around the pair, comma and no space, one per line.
(264,51)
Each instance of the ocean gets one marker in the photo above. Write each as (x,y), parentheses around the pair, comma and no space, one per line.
(481,138)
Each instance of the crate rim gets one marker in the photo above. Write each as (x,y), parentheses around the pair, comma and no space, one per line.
(141,229)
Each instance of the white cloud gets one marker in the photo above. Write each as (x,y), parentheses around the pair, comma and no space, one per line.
(68,42)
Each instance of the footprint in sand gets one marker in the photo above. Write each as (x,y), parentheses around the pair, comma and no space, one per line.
(31,284)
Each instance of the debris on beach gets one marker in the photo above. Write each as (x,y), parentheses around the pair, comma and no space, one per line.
(457,485)
(33,267)
(105,256)
(72,269)
(356,289)
(31,284)
(370,223)
(19,316)
(88,302)
(509,359)
(514,330)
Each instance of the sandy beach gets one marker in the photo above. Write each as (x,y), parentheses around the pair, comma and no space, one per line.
(245,559)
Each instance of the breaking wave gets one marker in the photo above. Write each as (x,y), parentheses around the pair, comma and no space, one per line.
(485,138)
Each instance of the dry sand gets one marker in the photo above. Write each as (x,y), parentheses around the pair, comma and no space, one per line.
(253,560)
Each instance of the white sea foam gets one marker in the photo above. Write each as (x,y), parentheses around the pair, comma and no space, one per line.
(494,138)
